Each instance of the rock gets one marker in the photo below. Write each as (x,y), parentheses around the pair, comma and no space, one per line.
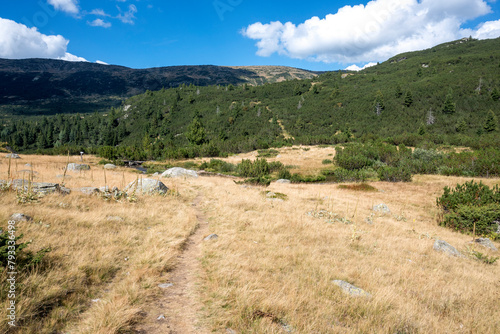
(20,217)
(77,167)
(279,200)
(27,165)
(13,156)
(381,208)
(230,331)
(271,195)
(156,174)
(64,191)
(443,246)
(161,317)
(116,219)
(147,186)
(211,237)
(89,190)
(109,166)
(165,285)
(179,172)
(485,242)
(284,181)
(42,188)
(498,224)
(350,289)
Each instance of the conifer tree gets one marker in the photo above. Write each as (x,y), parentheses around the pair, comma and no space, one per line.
(491,123)
(196,132)
(408,99)
(449,106)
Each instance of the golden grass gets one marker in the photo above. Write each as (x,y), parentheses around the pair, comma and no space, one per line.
(100,273)
(272,266)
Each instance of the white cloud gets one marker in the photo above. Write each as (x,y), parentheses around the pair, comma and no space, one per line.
(69,57)
(371,32)
(68,6)
(101,62)
(98,12)
(18,41)
(356,68)
(99,23)
(486,30)
(128,16)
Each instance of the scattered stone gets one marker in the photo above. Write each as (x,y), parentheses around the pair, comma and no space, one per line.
(161,317)
(165,285)
(179,172)
(350,289)
(109,166)
(284,181)
(279,200)
(147,186)
(287,328)
(498,224)
(27,165)
(13,156)
(20,217)
(485,242)
(63,205)
(89,190)
(443,246)
(77,167)
(42,188)
(96,300)
(64,191)
(230,331)
(271,195)
(211,237)
(381,208)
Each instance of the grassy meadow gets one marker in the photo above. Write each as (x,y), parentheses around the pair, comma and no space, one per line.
(270,270)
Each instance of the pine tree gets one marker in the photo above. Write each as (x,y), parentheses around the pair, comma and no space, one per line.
(449,106)
(408,99)
(196,132)
(491,123)
(495,95)
(379,103)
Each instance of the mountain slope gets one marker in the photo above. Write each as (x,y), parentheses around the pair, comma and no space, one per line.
(88,86)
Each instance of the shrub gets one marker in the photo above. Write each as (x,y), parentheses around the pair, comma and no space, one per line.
(327,162)
(395,174)
(218,166)
(23,257)
(465,217)
(297,178)
(470,193)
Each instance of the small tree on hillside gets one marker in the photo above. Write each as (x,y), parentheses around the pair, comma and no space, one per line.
(379,103)
(408,99)
(491,123)
(449,106)
(196,132)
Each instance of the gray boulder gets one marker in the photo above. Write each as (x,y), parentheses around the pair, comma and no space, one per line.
(20,217)
(109,166)
(42,188)
(350,289)
(443,246)
(73,167)
(147,186)
(13,156)
(383,208)
(284,181)
(211,237)
(179,172)
(498,225)
(485,242)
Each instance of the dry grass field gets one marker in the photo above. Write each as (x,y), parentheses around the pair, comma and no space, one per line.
(272,266)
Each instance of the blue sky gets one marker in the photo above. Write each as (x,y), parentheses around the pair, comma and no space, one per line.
(316,35)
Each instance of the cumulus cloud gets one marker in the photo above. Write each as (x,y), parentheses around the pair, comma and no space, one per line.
(357,68)
(98,12)
(371,32)
(128,16)
(68,6)
(99,23)
(18,41)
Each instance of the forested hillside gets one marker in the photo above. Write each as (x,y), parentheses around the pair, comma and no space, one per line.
(445,95)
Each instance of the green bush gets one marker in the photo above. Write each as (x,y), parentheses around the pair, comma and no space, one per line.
(23,258)
(297,178)
(464,217)
(218,166)
(470,193)
(395,174)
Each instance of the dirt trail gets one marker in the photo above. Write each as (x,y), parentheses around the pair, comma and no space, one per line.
(180,304)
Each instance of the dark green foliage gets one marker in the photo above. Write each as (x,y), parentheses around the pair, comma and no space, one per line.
(297,178)
(339,175)
(20,256)
(495,94)
(449,107)
(408,99)
(268,153)
(394,174)
(470,193)
(196,132)
(491,123)
(218,166)
(464,217)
